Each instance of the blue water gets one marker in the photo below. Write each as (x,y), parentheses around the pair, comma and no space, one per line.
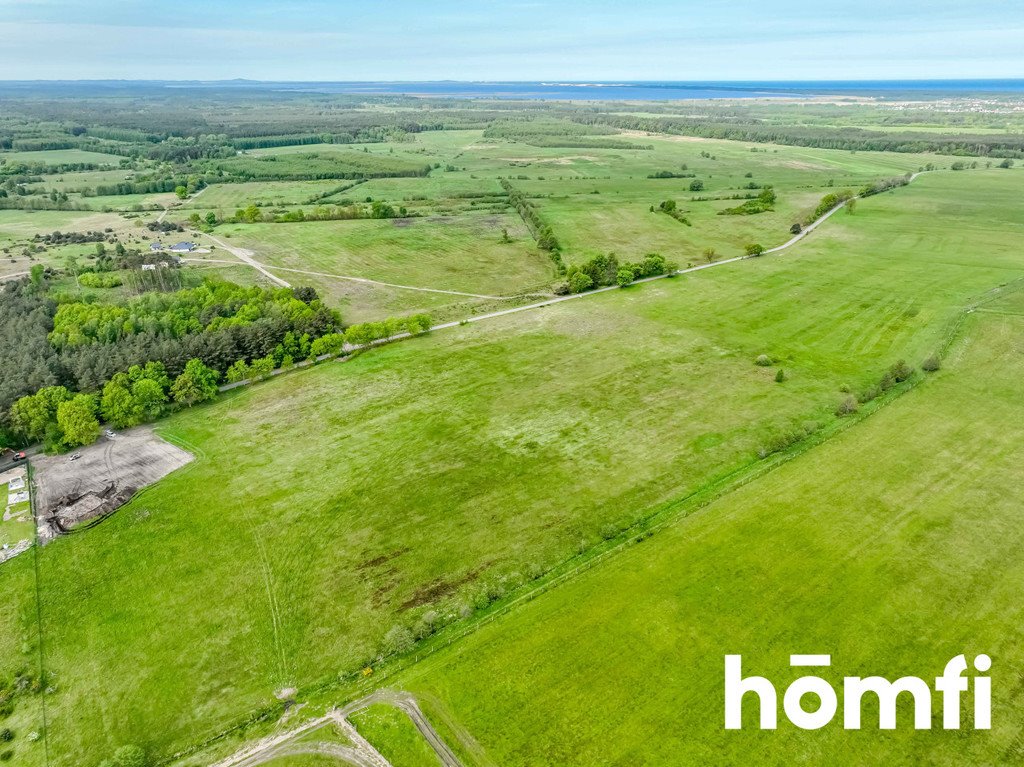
(657,91)
(556,90)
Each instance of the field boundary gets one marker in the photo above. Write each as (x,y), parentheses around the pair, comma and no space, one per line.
(37,578)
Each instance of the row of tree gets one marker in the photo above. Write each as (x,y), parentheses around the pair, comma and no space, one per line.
(764,201)
(541,231)
(604,270)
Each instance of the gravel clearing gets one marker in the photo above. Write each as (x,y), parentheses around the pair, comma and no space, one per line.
(104,477)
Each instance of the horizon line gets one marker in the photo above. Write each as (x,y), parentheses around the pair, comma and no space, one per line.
(548,80)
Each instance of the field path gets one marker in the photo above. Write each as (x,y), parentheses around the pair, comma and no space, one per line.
(246,256)
(558,299)
(361,753)
(385,284)
(169,208)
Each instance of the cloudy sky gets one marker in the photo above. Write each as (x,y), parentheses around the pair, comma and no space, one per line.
(513,40)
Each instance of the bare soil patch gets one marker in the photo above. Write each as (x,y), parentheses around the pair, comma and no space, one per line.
(106,476)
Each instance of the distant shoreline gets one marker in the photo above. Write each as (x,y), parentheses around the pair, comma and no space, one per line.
(563,90)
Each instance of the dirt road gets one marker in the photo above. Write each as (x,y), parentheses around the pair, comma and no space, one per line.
(246,256)
(361,753)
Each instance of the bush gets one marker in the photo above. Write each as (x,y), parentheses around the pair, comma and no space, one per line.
(6,735)
(764,361)
(780,376)
(624,277)
(130,756)
(931,364)
(870,393)
(580,283)
(901,371)
(753,249)
(93,280)
(398,640)
(847,406)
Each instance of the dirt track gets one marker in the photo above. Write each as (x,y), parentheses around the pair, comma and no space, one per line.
(361,753)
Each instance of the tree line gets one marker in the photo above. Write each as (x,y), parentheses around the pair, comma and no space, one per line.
(856,139)
(540,230)
(605,270)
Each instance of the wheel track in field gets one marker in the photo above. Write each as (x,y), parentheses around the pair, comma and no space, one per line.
(275,610)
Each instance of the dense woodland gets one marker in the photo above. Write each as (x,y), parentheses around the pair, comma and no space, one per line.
(82,346)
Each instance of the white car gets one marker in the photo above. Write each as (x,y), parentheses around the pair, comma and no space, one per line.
(75,457)
(110,434)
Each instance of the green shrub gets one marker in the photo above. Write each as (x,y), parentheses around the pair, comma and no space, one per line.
(901,371)
(764,361)
(931,364)
(847,406)
(780,375)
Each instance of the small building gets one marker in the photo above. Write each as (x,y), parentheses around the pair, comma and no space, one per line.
(182,247)
(156,247)
(149,267)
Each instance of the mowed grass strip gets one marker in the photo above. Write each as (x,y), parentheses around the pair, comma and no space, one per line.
(892,548)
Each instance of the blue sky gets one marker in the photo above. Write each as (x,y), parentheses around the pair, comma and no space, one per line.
(514,40)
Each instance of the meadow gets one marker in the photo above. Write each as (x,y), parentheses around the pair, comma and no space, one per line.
(893,547)
(362,495)
(465,253)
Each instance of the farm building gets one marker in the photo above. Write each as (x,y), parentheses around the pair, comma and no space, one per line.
(156,247)
(182,247)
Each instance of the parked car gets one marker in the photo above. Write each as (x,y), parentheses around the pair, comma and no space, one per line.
(75,457)
(110,433)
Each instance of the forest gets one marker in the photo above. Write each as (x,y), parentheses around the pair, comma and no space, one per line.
(81,347)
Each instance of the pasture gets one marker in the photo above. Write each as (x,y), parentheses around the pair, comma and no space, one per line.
(464,253)
(61,157)
(892,547)
(363,496)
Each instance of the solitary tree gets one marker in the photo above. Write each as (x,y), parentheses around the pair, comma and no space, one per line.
(753,249)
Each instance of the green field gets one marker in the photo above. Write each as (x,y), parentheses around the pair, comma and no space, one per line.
(393,734)
(20,527)
(894,547)
(388,506)
(464,254)
(61,156)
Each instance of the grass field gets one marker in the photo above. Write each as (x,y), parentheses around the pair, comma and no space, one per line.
(465,253)
(389,506)
(61,156)
(20,527)
(393,734)
(893,547)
